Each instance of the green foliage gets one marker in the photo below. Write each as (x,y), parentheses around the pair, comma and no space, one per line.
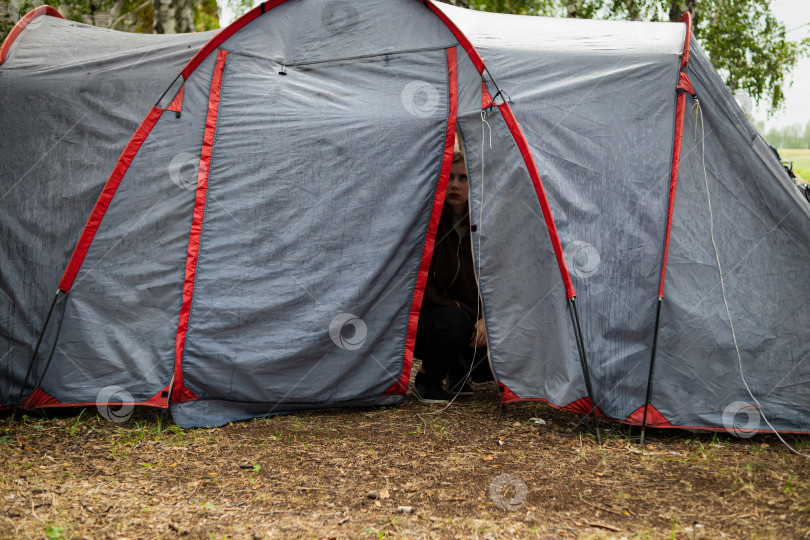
(87,11)
(239,7)
(125,15)
(206,15)
(52,531)
(743,39)
(129,15)
(749,48)
(800,159)
(789,483)
(794,136)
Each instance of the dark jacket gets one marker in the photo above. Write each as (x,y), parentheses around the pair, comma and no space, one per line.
(451,281)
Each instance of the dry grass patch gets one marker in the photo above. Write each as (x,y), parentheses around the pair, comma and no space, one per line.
(401,471)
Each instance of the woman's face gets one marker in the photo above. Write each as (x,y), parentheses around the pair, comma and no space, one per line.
(458,189)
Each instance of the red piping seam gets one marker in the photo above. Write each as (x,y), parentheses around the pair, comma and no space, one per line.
(462,39)
(20,26)
(673,182)
(520,139)
(676,150)
(104,200)
(523,146)
(401,386)
(227,32)
(261,9)
(179,392)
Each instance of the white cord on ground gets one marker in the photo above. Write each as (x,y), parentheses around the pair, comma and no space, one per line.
(699,112)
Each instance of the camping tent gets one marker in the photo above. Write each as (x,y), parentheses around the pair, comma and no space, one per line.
(240,223)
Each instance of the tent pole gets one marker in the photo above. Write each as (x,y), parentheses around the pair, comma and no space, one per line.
(684,85)
(652,368)
(586,373)
(33,356)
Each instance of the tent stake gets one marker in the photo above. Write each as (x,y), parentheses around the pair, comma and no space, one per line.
(586,373)
(33,357)
(652,368)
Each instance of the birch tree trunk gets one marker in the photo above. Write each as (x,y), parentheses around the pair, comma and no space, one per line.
(678,7)
(172,17)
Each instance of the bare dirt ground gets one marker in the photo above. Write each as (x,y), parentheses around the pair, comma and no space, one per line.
(475,470)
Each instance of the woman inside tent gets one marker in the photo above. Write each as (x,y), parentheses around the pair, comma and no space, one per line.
(451,335)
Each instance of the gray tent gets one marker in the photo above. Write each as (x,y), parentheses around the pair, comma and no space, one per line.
(239,223)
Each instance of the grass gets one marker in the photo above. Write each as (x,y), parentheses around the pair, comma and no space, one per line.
(800,159)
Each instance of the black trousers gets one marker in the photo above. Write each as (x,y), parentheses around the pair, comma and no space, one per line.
(442,343)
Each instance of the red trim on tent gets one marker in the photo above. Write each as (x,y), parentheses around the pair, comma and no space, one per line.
(177,103)
(507,396)
(581,406)
(182,395)
(462,39)
(486,99)
(104,200)
(179,392)
(687,42)
(685,84)
(227,32)
(20,26)
(401,386)
(673,183)
(654,418)
(40,398)
(680,108)
(261,9)
(161,399)
(520,140)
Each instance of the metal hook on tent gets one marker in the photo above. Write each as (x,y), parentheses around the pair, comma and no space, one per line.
(503,95)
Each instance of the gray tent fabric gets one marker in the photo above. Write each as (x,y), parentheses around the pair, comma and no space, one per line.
(266,248)
(761,234)
(603,151)
(72,96)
